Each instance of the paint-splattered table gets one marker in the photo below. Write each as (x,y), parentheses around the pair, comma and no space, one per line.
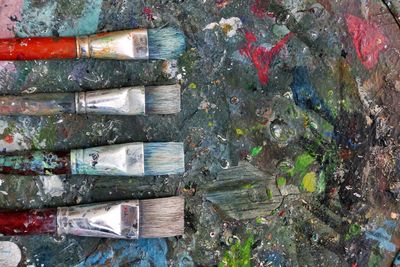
(290,123)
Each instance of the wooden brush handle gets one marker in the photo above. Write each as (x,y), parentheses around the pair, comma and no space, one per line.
(38,104)
(38,48)
(28,222)
(36,163)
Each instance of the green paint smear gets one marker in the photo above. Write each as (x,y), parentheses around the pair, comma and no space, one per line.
(238,255)
(281,181)
(301,164)
(255,151)
(354,231)
(269,194)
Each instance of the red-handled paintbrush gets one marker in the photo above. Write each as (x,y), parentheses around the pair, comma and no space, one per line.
(163,43)
(130,219)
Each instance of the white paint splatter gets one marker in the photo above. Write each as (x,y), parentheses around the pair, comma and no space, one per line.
(52,185)
(229,26)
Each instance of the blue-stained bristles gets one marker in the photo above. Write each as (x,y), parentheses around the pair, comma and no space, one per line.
(163,99)
(165,43)
(163,158)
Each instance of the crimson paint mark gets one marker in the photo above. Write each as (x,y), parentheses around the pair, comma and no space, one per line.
(260,56)
(260,7)
(149,13)
(222,3)
(8,138)
(28,222)
(367,39)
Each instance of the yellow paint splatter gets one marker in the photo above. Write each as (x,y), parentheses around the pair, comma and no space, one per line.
(192,86)
(310,181)
(240,132)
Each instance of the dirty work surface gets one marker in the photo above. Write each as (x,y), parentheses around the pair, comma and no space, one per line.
(290,122)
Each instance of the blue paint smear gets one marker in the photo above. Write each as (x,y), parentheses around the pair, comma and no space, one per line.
(41,21)
(275,258)
(397,259)
(383,238)
(305,95)
(140,253)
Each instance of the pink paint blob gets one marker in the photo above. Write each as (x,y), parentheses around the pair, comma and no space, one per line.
(260,56)
(8,139)
(367,39)
(9,9)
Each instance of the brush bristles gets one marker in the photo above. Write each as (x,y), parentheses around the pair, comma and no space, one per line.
(163,99)
(162,217)
(165,43)
(163,158)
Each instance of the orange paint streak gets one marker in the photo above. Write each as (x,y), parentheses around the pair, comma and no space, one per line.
(37,48)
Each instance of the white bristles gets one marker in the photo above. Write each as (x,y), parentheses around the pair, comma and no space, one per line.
(161,217)
(163,158)
(163,99)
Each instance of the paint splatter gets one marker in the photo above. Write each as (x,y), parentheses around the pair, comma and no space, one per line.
(8,138)
(228,26)
(52,185)
(142,252)
(148,12)
(306,96)
(367,39)
(310,182)
(9,15)
(255,151)
(222,3)
(259,8)
(260,56)
(383,238)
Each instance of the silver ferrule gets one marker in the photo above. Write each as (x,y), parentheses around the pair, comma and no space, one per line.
(116,160)
(110,220)
(128,44)
(123,101)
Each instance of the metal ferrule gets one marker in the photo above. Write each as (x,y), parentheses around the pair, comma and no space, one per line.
(123,101)
(128,44)
(110,220)
(119,160)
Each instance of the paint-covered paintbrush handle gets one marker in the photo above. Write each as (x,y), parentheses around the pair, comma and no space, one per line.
(36,163)
(38,48)
(28,222)
(128,44)
(38,104)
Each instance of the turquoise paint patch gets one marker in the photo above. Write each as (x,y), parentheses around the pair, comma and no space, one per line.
(383,238)
(87,23)
(141,253)
(42,20)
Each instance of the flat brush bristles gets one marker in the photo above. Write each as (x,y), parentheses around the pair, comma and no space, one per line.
(163,99)
(163,158)
(165,43)
(162,217)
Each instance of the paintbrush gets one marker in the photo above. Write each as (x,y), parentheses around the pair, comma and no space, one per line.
(131,159)
(130,219)
(137,100)
(161,43)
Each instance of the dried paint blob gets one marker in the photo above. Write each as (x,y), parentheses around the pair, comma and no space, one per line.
(10,254)
(281,131)
(367,39)
(310,182)
(228,26)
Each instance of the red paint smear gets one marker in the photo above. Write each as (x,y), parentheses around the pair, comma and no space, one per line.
(149,13)
(222,3)
(367,39)
(28,222)
(259,8)
(8,139)
(261,56)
